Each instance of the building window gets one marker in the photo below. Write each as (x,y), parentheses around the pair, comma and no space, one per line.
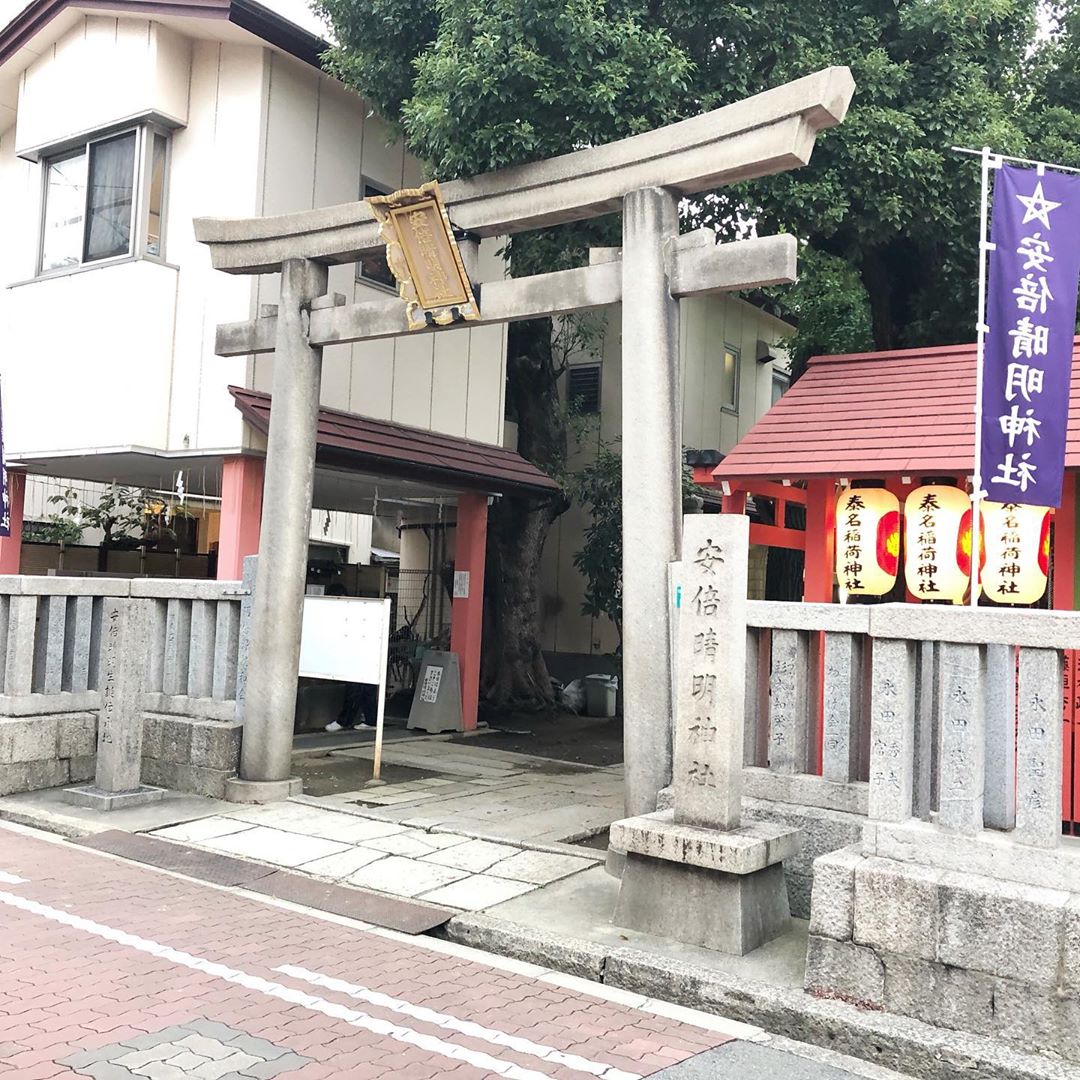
(780,382)
(373,269)
(730,388)
(104,200)
(583,389)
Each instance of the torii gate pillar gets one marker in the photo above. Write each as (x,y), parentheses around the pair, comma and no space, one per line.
(651,488)
(278,608)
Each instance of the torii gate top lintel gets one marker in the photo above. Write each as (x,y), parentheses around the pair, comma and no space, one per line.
(771,132)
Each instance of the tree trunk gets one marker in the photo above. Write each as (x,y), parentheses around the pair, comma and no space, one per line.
(879,289)
(514,674)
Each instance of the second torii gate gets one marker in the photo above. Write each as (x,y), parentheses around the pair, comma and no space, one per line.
(643,176)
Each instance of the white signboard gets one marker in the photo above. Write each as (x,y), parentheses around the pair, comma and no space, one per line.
(461,584)
(345,638)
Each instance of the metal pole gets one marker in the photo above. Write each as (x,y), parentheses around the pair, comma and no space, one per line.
(1019,160)
(981,328)
(384,659)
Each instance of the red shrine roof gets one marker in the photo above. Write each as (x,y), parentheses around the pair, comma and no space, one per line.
(382,448)
(876,414)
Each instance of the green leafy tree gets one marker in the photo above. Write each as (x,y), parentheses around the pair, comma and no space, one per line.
(475,86)
(121,514)
(55,529)
(598,486)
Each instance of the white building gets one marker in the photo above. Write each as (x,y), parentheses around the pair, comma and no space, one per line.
(119,123)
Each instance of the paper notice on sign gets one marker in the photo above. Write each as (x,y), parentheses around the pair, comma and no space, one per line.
(461,584)
(429,690)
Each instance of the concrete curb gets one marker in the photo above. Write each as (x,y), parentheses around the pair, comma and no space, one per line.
(894,1042)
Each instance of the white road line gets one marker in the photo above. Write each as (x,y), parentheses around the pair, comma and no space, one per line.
(11,879)
(462,1027)
(429,1043)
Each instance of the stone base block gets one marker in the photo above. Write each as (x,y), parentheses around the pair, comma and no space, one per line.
(262,791)
(731,913)
(964,951)
(738,851)
(95,798)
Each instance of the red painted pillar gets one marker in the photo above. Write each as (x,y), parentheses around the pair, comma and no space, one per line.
(241,514)
(1063,598)
(467,616)
(11,546)
(820,541)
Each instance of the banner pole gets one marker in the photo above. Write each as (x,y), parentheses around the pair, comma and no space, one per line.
(981,329)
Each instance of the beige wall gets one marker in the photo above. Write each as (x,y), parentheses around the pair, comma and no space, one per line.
(103,70)
(319,141)
(707,324)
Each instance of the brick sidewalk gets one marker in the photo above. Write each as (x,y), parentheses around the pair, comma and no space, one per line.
(112,970)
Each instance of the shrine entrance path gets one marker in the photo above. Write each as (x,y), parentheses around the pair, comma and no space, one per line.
(113,970)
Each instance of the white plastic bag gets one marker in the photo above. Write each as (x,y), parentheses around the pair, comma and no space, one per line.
(573,696)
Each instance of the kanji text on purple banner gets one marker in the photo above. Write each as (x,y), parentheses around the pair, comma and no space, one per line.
(1031,319)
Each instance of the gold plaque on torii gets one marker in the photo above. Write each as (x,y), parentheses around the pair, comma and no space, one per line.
(423,256)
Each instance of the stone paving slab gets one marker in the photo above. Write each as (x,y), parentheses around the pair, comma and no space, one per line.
(276,846)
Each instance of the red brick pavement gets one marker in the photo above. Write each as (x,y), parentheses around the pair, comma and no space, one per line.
(65,989)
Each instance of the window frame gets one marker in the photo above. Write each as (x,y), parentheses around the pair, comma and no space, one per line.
(361,278)
(778,378)
(142,167)
(733,407)
(596,366)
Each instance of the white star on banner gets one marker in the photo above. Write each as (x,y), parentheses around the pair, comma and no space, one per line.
(1037,206)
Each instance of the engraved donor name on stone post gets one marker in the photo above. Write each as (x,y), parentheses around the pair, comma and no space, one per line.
(710,668)
(123,663)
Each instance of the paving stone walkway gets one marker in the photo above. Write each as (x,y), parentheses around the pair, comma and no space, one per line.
(343,845)
(495,792)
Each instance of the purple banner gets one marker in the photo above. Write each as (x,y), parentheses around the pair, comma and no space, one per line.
(1031,315)
(5,500)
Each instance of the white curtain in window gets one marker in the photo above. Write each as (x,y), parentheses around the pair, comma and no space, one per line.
(109,203)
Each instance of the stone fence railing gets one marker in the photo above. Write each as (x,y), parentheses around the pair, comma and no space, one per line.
(940,730)
(50,652)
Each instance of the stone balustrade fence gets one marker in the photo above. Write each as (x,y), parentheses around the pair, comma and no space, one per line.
(50,649)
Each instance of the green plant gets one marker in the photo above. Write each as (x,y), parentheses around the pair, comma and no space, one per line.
(598,486)
(121,514)
(55,529)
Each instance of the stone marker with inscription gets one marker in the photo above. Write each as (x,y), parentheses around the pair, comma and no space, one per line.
(695,872)
(124,638)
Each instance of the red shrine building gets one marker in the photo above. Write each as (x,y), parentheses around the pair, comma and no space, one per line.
(863,468)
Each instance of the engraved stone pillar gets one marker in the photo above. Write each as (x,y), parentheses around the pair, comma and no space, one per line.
(789,699)
(960,698)
(1038,748)
(696,873)
(892,730)
(124,654)
(711,674)
(843,699)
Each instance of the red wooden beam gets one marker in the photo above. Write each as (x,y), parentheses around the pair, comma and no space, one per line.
(775,536)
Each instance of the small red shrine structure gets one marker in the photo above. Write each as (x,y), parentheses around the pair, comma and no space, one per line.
(901,419)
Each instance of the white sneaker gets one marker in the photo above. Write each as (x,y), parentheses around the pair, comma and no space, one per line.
(333,726)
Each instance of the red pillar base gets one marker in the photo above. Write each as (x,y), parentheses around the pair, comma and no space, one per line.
(11,545)
(241,514)
(467,616)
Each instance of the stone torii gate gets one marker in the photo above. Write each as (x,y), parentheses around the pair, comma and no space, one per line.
(643,176)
